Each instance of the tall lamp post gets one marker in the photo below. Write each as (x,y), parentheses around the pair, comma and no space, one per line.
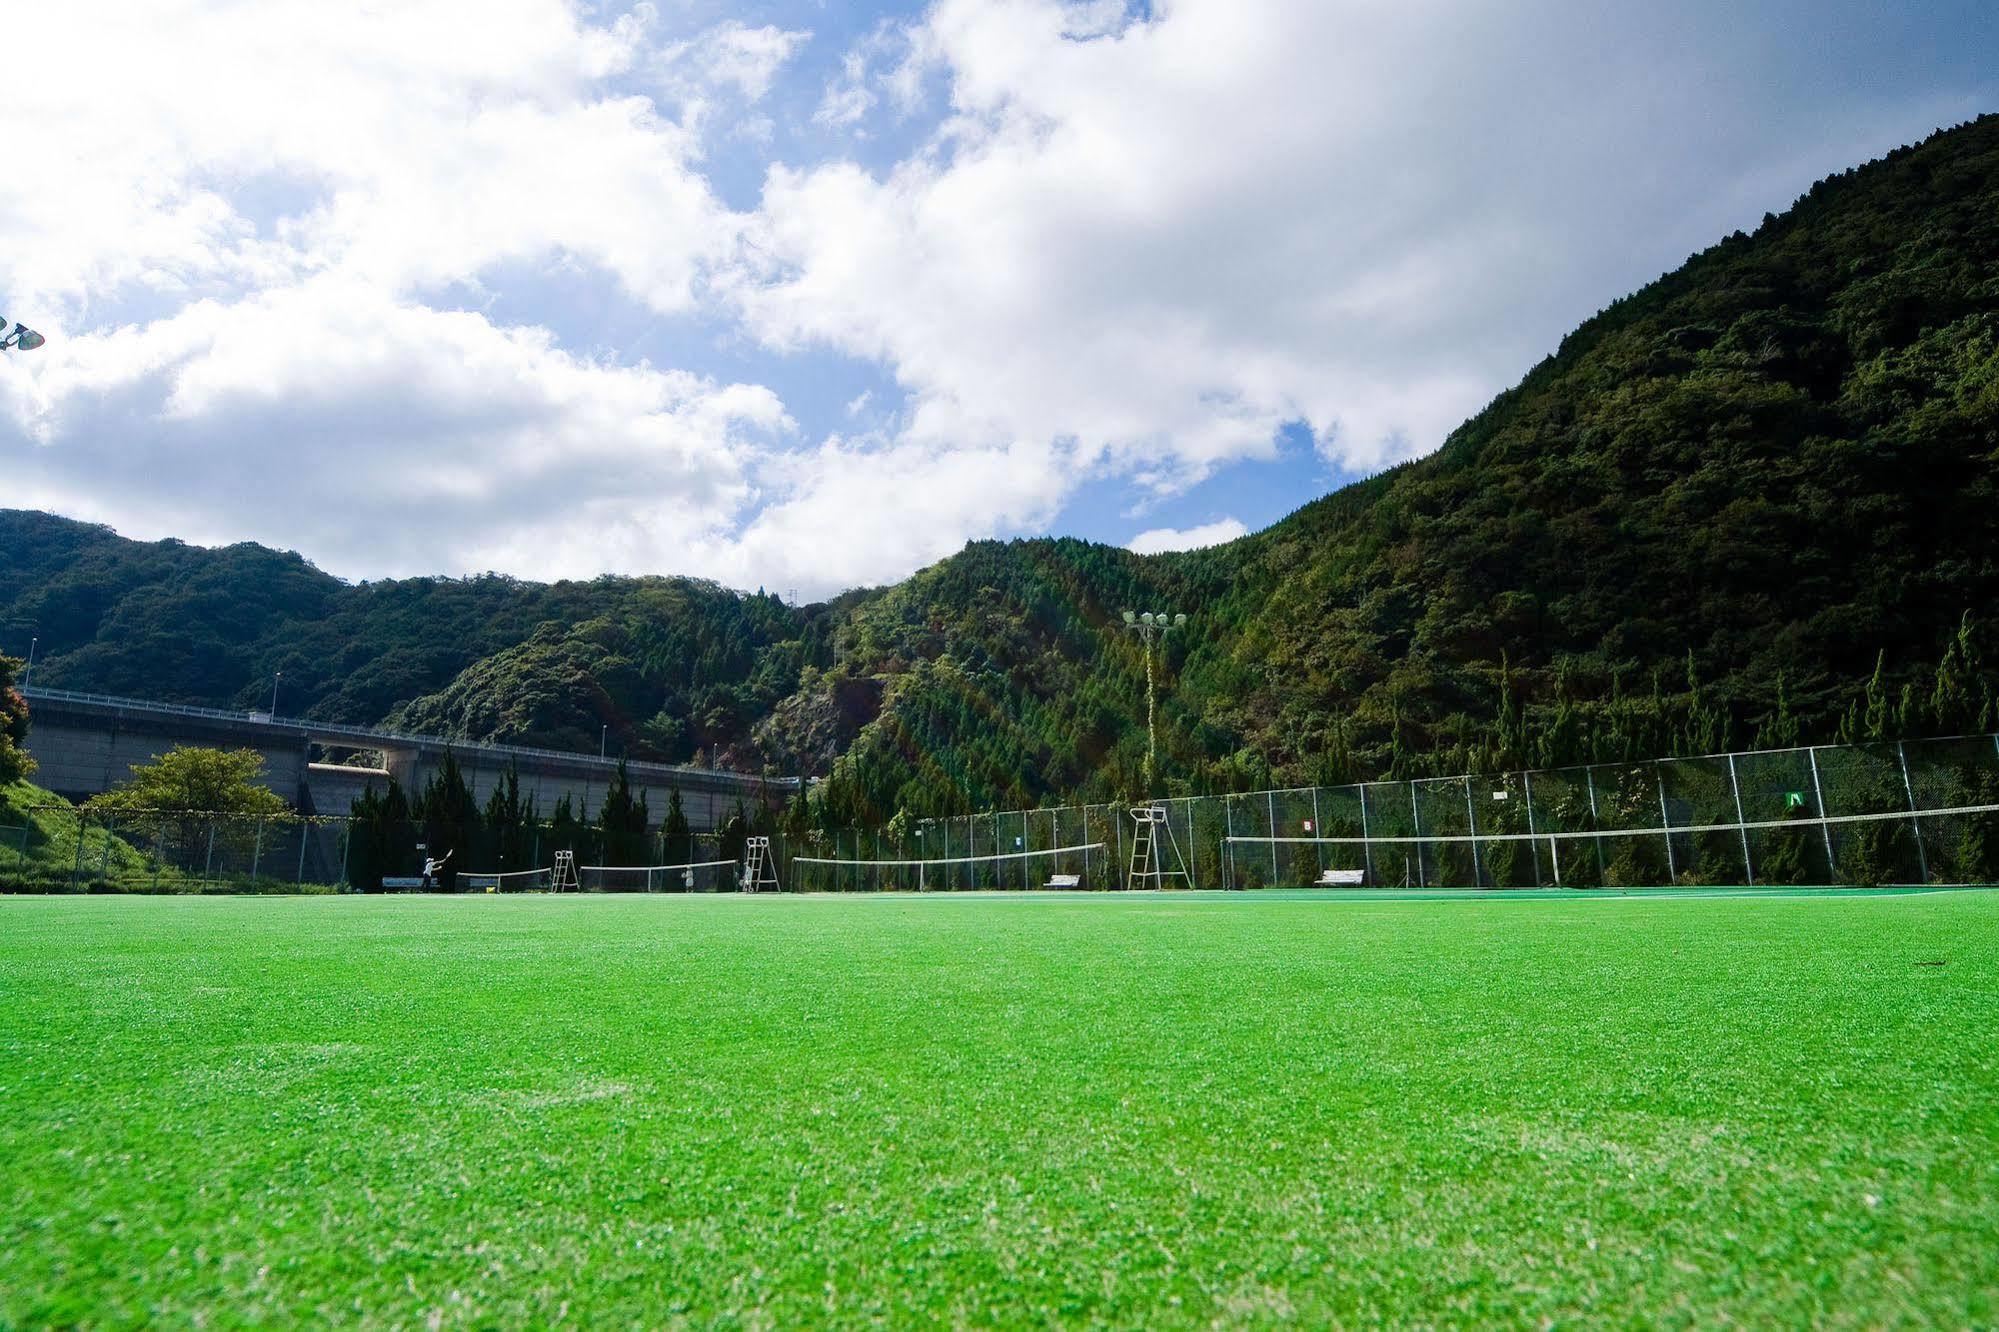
(29,669)
(274,694)
(1150,625)
(22,338)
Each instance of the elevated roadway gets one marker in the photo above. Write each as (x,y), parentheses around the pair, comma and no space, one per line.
(88,743)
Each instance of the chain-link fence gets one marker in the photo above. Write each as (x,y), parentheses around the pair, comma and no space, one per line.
(1914,812)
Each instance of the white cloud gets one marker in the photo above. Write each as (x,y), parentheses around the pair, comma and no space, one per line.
(320,418)
(729,57)
(1131,245)
(749,58)
(848,99)
(1160,539)
(1165,240)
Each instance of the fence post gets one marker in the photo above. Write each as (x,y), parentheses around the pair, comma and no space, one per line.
(1825,829)
(1416,814)
(77,868)
(1533,840)
(208,864)
(1589,781)
(257,854)
(1666,819)
(1318,830)
(1120,866)
(1922,855)
(1366,838)
(1228,840)
(1471,821)
(1741,823)
(1270,805)
(110,831)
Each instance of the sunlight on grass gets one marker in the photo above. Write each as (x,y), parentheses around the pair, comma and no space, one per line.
(783,1111)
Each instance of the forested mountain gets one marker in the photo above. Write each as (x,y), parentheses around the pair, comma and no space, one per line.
(671,664)
(1755,500)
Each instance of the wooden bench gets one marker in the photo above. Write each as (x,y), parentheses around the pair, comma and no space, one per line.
(1343,878)
(1064,881)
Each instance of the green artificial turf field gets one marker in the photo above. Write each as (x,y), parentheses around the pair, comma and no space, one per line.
(1135,1110)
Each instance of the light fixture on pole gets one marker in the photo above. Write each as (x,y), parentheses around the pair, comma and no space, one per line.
(274,694)
(22,338)
(603,738)
(1149,625)
(29,669)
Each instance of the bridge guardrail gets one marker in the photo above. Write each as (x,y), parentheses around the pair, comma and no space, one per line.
(343,730)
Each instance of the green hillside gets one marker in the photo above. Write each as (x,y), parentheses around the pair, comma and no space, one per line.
(1753,501)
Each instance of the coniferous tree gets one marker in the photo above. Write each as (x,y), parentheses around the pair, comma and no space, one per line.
(677,836)
(510,820)
(623,821)
(381,838)
(565,830)
(450,819)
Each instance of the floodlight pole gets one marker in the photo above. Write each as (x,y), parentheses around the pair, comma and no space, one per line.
(22,338)
(274,694)
(1147,626)
(29,669)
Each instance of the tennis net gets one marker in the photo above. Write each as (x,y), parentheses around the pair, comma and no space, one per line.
(707,876)
(511,881)
(1052,867)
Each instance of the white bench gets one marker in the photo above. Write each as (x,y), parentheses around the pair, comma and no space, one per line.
(1064,881)
(1343,878)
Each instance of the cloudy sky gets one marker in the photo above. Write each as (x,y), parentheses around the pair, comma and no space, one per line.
(805,295)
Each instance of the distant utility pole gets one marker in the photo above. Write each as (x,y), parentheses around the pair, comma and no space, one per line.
(1147,626)
(274,694)
(29,669)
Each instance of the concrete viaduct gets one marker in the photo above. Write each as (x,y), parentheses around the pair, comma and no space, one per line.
(87,743)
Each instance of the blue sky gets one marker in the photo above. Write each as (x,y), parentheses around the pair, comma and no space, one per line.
(807,295)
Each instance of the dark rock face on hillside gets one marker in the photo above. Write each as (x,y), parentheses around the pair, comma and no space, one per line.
(1756,498)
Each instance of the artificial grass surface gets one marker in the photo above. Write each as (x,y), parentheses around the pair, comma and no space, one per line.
(1135,1110)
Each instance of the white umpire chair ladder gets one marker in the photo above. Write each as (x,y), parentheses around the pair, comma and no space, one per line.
(759,872)
(1155,852)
